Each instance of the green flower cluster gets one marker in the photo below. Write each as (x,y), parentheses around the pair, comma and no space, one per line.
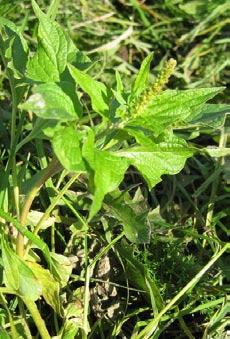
(147,96)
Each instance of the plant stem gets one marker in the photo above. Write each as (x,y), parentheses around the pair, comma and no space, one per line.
(32,307)
(52,206)
(215,184)
(53,167)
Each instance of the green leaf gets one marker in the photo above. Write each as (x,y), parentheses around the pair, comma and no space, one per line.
(67,149)
(50,287)
(212,116)
(142,77)
(50,101)
(32,237)
(16,48)
(54,45)
(172,108)
(135,226)
(18,275)
(108,170)
(157,159)
(96,90)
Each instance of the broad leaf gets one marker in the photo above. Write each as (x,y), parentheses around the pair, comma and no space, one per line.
(108,170)
(96,90)
(18,275)
(50,101)
(67,149)
(53,47)
(141,80)
(173,107)
(157,159)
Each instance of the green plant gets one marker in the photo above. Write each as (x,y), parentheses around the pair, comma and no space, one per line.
(146,128)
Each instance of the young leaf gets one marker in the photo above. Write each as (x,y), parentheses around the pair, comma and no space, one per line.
(49,101)
(18,275)
(141,80)
(157,159)
(53,47)
(96,90)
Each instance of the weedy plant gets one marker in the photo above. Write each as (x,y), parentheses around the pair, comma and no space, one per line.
(91,142)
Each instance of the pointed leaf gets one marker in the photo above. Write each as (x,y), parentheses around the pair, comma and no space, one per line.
(141,80)
(53,47)
(96,90)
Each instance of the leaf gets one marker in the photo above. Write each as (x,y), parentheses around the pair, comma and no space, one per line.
(157,159)
(61,268)
(32,237)
(51,57)
(134,225)
(67,149)
(108,170)
(96,90)
(172,108)
(49,101)
(212,116)
(217,151)
(50,287)
(17,49)
(141,80)
(18,275)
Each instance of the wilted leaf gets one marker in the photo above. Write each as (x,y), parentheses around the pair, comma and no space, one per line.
(50,287)
(61,268)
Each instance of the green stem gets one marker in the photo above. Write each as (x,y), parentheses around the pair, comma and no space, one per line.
(147,332)
(39,322)
(53,167)
(51,207)
(215,184)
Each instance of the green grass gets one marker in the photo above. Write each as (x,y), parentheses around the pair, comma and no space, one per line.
(152,260)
